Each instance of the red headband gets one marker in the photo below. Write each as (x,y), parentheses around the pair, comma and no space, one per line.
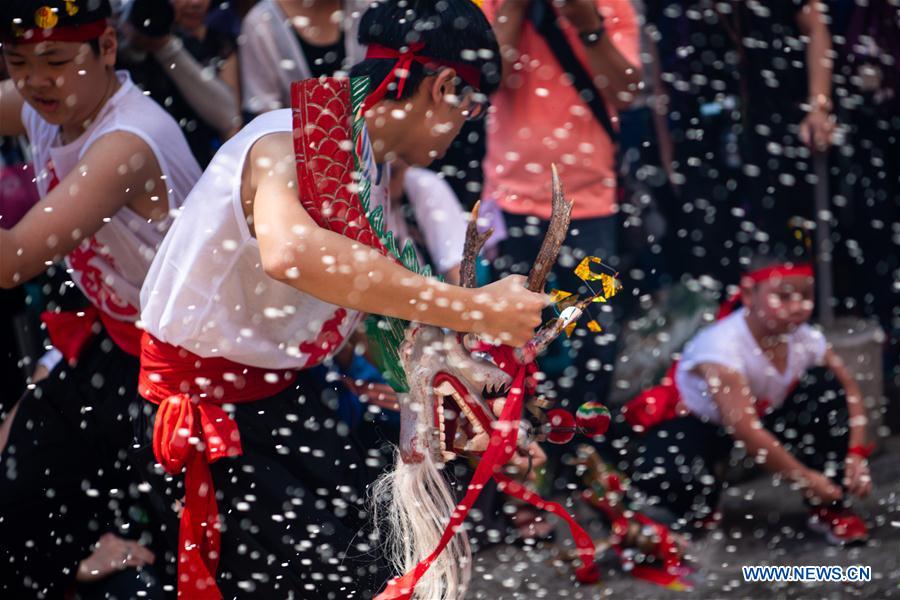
(66,33)
(405,59)
(765,274)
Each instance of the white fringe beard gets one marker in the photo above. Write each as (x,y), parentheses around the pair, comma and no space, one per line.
(411,507)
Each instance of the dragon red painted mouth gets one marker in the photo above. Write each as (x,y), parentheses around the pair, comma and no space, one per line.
(462,423)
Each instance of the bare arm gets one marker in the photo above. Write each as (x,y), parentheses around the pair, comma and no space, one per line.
(231,75)
(213,99)
(93,191)
(614,75)
(857,479)
(811,22)
(340,271)
(732,396)
(855,407)
(817,127)
(10,109)
(508,25)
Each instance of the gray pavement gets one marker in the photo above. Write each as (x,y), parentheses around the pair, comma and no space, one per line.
(763,524)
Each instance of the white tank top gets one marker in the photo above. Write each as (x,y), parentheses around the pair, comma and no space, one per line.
(110,266)
(207,291)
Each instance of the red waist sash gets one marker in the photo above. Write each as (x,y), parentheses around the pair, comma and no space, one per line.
(191,431)
(71,331)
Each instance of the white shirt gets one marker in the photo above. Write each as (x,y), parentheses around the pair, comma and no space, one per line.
(730,343)
(438,214)
(109,267)
(207,291)
(271,57)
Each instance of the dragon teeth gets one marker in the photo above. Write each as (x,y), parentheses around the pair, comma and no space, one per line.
(470,415)
(445,389)
(497,407)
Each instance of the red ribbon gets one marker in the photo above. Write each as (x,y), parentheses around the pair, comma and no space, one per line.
(670,573)
(500,449)
(70,331)
(67,33)
(587,572)
(400,73)
(190,432)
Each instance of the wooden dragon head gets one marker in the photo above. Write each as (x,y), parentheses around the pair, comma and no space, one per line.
(457,384)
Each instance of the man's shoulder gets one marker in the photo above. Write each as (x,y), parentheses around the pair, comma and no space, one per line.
(721,341)
(138,111)
(275,124)
(809,338)
(261,12)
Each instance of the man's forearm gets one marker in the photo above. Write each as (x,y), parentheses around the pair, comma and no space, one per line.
(613,74)
(508,25)
(818,55)
(856,410)
(818,60)
(766,449)
(379,285)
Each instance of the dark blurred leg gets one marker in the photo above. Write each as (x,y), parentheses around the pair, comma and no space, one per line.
(674,467)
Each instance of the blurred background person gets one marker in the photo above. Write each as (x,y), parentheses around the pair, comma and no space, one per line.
(748,89)
(184,53)
(289,40)
(424,210)
(865,177)
(541,114)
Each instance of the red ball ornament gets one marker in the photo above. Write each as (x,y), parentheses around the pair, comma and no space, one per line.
(561,426)
(593,418)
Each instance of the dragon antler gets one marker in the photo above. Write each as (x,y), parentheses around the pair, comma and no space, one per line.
(475,241)
(556,235)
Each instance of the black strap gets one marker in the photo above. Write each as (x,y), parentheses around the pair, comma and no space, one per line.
(543,17)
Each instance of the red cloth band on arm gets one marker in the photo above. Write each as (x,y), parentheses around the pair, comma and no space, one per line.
(863,451)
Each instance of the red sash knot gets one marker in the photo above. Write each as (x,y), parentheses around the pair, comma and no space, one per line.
(192,431)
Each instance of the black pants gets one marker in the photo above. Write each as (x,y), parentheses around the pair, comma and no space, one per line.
(680,462)
(745,183)
(294,503)
(578,368)
(64,475)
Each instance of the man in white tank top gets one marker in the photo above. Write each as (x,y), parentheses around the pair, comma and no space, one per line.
(112,168)
(764,379)
(254,284)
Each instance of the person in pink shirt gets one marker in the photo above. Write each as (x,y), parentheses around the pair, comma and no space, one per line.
(540,117)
